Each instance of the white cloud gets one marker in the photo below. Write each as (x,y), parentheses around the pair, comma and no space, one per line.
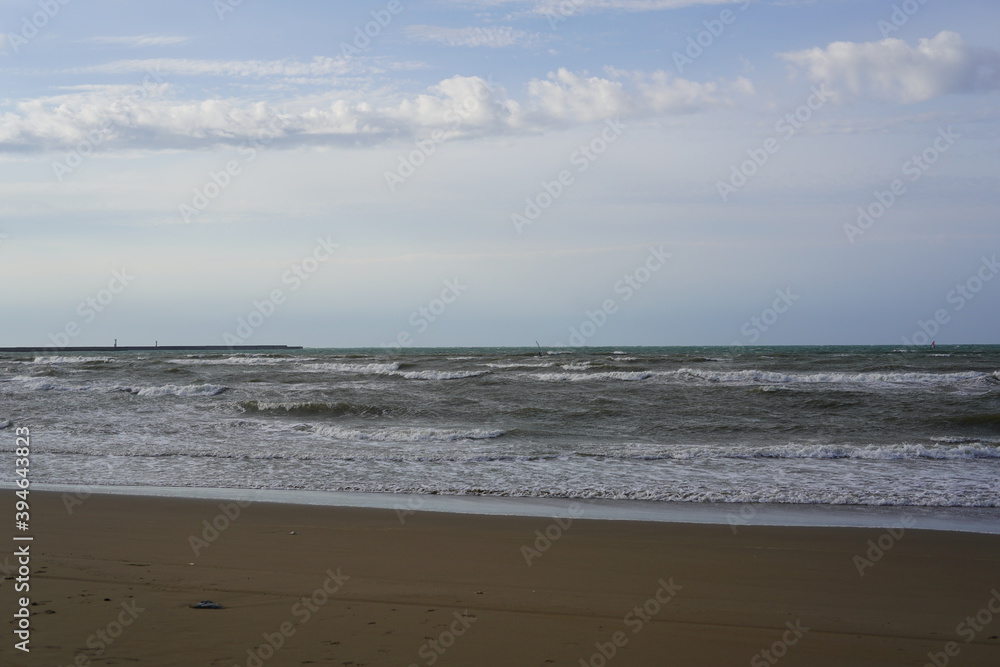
(892,70)
(494,36)
(569,7)
(318,66)
(138,41)
(147,118)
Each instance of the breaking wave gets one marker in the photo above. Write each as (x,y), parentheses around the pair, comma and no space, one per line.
(72,360)
(968,449)
(342,409)
(872,379)
(441,375)
(631,376)
(405,434)
(378,369)
(175,390)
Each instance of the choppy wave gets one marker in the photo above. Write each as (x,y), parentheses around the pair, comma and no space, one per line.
(962,439)
(577,366)
(778,425)
(175,390)
(441,375)
(522,364)
(967,450)
(627,376)
(236,361)
(872,379)
(405,434)
(378,369)
(45,384)
(342,409)
(71,360)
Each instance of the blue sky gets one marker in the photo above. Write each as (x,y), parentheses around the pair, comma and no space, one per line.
(543,156)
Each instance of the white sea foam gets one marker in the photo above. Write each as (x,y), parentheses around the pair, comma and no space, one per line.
(71,360)
(236,361)
(440,375)
(378,369)
(632,376)
(46,384)
(888,452)
(875,379)
(578,366)
(962,440)
(522,364)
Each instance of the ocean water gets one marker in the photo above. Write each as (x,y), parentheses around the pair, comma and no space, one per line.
(821,425)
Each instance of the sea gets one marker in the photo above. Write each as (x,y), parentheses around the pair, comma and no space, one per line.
(863,426)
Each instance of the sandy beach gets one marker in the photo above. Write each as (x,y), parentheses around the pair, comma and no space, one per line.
(113,579)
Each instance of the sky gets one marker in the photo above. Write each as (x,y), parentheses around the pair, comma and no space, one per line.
(498,172)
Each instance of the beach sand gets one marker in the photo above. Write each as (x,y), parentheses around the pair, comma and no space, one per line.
(112,581)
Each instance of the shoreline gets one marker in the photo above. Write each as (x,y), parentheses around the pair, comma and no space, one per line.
(983,520)
(113,580)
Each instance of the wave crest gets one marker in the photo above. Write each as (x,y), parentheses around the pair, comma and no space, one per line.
(175,390)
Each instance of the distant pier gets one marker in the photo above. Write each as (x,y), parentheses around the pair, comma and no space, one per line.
(153,348)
